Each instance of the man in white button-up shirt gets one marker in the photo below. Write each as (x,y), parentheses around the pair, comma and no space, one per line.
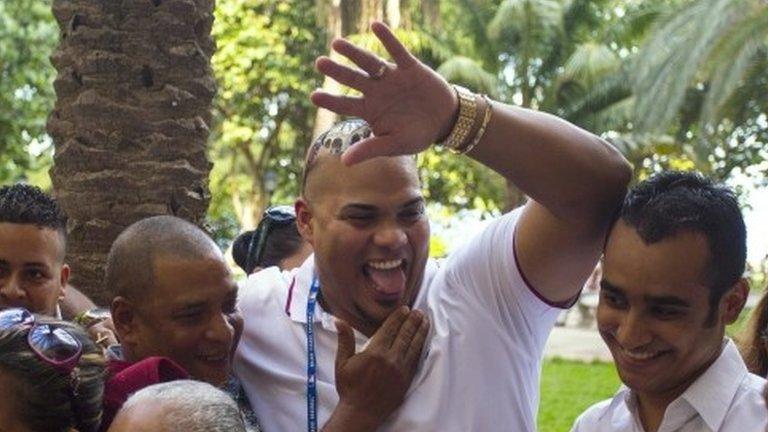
(671,283)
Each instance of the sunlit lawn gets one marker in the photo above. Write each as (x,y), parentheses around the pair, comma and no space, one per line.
(570,387)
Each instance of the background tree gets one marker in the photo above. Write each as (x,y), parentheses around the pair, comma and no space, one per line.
(702,75)
(27,37)
(131,118)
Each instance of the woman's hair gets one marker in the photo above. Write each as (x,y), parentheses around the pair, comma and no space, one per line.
(48,399)
(752,339)
(281,243)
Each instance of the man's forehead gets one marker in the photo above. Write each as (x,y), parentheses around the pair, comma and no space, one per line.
(191,280)
(29,243)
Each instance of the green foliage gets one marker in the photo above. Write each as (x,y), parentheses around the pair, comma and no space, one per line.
(264,67)
(568,388)
(28,34)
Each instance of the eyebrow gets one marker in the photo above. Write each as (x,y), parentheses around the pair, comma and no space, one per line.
(604,284)
(654,300)
(370,207)
(667,301)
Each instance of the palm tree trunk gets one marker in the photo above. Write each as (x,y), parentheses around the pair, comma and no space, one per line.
(131,120)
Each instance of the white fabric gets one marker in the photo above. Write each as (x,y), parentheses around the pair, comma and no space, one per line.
(481,371)
(725,398)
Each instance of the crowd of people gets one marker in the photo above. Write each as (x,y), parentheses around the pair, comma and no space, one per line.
(344,323)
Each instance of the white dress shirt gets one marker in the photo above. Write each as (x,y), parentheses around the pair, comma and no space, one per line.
(725,398)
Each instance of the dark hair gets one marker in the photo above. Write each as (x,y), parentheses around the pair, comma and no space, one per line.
(48,401)
(26,204)
(674,201)
(282,242)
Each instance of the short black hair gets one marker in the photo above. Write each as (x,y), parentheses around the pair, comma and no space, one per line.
(673,201)
(281,243)
(130,269)
(26,204)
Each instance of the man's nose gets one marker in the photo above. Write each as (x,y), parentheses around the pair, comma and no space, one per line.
(391,236)
(633,331)
(220,330)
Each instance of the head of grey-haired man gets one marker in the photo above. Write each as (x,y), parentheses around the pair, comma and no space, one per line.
(182,405)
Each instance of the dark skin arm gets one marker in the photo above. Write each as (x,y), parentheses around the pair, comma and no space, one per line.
(575,179)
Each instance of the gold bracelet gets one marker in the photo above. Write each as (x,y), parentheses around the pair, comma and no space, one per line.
(480,132)
(463,126)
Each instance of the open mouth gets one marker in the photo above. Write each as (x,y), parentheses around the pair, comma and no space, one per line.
(387,278)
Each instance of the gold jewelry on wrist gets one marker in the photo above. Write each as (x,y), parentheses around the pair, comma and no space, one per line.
(480,132)
(467,111)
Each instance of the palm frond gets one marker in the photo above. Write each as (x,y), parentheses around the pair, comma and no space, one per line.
(469,73)
(591,61)
(531,19)
(669,60)
(732,59)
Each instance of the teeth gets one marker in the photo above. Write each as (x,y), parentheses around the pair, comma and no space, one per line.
(385,265)
(640,356)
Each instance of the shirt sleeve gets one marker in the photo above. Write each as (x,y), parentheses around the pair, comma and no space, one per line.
(485,274)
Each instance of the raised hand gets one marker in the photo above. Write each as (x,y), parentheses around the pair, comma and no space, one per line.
(408,105)
(373,383)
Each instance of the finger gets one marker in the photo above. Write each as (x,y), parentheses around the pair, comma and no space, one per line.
(386,334)
(407,332)
(343,105)
(364,59)
(340,73)
(111,339)
(392,44)
(346,344)
(416,347)
(370,148)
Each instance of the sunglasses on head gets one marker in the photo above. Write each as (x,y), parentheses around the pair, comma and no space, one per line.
(52,344)
(277,216)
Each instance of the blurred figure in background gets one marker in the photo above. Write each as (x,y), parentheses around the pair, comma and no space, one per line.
(753,339)
(275,242)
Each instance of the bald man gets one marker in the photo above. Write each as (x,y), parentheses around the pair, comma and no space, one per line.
(175,299)
(492,304)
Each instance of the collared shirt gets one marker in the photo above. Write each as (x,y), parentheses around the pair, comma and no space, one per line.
(481,365)
(725,398)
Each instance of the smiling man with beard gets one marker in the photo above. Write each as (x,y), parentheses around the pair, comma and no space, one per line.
(491,304)
(672,280)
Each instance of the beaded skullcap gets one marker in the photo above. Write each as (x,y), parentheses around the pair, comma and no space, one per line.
(339,138)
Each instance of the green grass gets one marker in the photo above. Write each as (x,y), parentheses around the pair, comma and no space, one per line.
(570,387)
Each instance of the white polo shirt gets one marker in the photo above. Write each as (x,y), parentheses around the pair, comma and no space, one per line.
(725,398)
(482,359)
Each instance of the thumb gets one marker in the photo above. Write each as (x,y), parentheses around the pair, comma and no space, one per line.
(346,346)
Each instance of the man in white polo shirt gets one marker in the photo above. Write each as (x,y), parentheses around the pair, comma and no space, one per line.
(672,280)
(491,304)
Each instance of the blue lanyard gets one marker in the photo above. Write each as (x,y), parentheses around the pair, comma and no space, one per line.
(311,359)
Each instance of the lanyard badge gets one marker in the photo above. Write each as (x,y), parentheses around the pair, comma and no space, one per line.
(311,358)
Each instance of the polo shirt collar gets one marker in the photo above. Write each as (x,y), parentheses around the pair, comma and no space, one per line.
(298,294)
(712,394)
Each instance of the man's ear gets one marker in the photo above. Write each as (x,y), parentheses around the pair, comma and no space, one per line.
(734,300)
(63,279)
(124,318)
(304,219)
